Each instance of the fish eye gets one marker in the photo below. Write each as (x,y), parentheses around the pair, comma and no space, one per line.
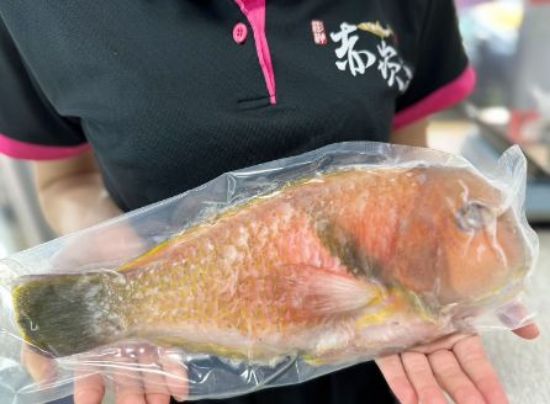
(474,216)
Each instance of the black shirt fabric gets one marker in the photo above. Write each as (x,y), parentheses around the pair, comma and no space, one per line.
(167,98)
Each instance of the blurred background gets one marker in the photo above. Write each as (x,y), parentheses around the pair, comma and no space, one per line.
(508,42)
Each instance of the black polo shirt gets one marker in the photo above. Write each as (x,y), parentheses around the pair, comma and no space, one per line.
(171,93)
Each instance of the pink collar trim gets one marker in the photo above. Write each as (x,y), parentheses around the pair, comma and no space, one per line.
(254,10)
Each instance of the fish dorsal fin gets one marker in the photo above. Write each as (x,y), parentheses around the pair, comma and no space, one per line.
(326,292)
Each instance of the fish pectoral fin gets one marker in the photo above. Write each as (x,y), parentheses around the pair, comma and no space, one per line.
(325,292)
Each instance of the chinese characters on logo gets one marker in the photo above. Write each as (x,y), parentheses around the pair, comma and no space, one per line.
(391,67)
(357,61)
(393,70)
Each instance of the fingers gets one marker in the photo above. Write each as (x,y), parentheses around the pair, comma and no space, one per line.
(128,389)
(392,370)
(138,374)
(451,377)
(422,378)
(175,375)
(530,331)
(472,359)
(41,369)
(414,375)
(88,389)
(446,342)
(156,391)
(127,378)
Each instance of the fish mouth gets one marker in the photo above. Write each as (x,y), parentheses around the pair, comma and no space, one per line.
(505,292)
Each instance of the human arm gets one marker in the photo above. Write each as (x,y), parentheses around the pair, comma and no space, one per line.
(72,194)
(415,134)
(72,197)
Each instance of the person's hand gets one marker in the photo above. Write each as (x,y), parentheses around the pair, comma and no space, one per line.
(456,365)
(139,373)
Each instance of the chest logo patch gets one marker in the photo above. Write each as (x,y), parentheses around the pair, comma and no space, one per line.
(319,33)
(385,58)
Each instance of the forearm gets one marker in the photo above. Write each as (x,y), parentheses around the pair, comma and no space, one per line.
(412,135)
(76,203)
(72,195)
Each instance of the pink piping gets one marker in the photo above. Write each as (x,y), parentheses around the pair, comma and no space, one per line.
(27,151)
(445,97)
(254,10)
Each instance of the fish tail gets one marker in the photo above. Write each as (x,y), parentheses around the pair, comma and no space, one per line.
(66,314)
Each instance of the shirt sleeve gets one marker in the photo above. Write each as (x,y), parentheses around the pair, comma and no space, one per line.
(30,128)
(442,74)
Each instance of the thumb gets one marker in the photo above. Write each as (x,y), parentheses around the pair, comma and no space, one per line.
(530,331)
(519,320)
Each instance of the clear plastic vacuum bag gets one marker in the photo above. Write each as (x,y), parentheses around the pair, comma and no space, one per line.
(272,275)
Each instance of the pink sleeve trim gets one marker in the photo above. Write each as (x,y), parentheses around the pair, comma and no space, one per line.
(443,98)
(28,151)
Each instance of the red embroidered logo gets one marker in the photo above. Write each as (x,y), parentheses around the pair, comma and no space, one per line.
(319,34)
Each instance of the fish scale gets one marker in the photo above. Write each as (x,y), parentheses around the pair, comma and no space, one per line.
(331,266)
(294,217)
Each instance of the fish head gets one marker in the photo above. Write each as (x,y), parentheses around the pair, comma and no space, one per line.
(463,241)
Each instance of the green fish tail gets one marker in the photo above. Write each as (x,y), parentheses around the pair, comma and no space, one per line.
(66,314)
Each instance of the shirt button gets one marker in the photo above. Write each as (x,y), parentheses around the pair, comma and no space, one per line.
(240,32)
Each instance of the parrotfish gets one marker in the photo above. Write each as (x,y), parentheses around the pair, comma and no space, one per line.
(334,267)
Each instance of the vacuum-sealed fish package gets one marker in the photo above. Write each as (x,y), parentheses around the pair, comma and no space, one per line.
(272,275)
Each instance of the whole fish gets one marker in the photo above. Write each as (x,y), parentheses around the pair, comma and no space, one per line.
(338,266)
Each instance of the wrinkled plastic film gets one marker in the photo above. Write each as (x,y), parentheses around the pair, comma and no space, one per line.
(273,275)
